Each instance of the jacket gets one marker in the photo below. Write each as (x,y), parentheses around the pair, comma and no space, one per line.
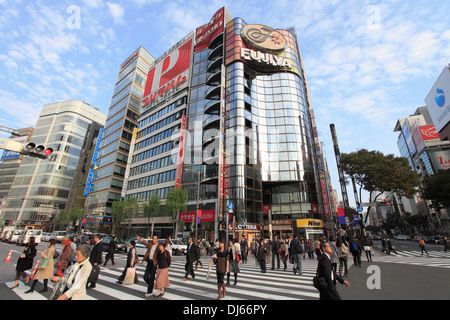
(46,273)
(325,270)
(193,253)
(27,262)
(76,281)
(96,254)
(147,253)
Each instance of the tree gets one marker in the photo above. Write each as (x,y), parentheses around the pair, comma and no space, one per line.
(375,172)
(151,209)
(124,211)
(175,203)
(437,189)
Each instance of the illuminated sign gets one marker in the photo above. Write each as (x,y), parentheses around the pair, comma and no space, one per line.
(309,223)
(169,74)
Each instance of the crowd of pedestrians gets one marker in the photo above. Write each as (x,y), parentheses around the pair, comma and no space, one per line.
(79,267)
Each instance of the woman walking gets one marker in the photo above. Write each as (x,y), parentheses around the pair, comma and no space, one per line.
(261,256)
(47,272)
(221,260)
(162,275)
(342,248)
(78,277)
(132,259)
(367,245)
(234,258)
(284,253)
(25,262)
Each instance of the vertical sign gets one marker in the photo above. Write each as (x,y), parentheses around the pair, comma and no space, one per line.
(97,147)
(180,154)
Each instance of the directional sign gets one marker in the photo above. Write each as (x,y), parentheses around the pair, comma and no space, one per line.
(360,209)
(230,206)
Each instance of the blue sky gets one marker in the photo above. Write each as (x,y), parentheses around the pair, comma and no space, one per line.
(368,63)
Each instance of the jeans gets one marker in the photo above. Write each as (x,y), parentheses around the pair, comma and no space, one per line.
(298,262)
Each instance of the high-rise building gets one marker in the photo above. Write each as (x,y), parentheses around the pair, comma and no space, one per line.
(112,156)
(41,186)
(227,116)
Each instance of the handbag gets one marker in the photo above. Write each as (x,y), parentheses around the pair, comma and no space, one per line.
(237,258)
(43,263)
(320,283)
(129,278)
(93,277)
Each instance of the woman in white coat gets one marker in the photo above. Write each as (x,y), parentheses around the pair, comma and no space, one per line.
(77,279)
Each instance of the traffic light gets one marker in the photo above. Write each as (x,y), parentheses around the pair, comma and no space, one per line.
(36,151)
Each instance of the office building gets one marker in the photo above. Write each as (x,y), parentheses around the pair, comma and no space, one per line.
(230,102)
(41,186)
(111,158)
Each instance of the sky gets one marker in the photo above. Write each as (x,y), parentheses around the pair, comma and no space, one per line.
(368,63)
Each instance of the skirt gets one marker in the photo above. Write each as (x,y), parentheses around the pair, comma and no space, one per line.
(233,266)
(162,278)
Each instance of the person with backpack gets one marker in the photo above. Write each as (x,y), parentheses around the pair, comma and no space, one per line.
(356,249)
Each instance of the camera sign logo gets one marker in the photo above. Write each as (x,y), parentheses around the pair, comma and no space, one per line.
(263,38)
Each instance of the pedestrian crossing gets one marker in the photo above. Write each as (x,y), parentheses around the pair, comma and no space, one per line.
(251,284)
(435,258)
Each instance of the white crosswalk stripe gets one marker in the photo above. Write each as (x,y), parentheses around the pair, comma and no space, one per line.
(251,284)
(434,259)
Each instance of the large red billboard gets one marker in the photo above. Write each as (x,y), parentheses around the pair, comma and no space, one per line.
(169,74)
(207,32)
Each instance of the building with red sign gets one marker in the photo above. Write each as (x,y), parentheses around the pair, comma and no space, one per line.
(226,115)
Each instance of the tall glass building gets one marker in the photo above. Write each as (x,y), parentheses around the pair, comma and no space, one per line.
(235,110)
(112,157)
(41,186)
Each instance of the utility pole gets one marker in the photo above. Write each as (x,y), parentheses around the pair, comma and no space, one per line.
(341,174)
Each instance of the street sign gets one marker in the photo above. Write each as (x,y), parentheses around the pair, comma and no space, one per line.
(360,209)
(230,206)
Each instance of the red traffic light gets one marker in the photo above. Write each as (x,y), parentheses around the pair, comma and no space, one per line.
(48,151)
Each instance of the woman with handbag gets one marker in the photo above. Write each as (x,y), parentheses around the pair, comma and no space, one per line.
(63,259)
(221,260)
(261,256)
(132,259)
(342,247)
(162,274)
(45,267)
(25,262)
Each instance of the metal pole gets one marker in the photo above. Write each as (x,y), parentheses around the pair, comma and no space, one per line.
(196,215)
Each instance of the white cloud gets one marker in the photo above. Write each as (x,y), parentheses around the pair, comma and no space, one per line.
(116,11)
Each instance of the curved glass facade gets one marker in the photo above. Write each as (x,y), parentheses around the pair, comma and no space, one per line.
(269,154)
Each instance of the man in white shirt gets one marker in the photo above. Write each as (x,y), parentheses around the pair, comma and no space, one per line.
(149,257)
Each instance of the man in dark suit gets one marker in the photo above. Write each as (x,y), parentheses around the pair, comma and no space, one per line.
(95,258)
(276,246)
(325,270)
(193,254)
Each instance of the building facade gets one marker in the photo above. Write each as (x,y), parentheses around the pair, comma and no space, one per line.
(106,182)
(227,116)
(41,186)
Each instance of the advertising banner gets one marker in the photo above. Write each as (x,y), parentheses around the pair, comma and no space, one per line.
(169,74)
(207,32)
(438,100)
(204,215)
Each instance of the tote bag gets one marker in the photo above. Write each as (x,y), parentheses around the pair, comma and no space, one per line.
(129,278)
(43,263)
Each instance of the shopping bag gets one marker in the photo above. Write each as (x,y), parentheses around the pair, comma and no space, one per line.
(208,275)
(129,278)
(43,263)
